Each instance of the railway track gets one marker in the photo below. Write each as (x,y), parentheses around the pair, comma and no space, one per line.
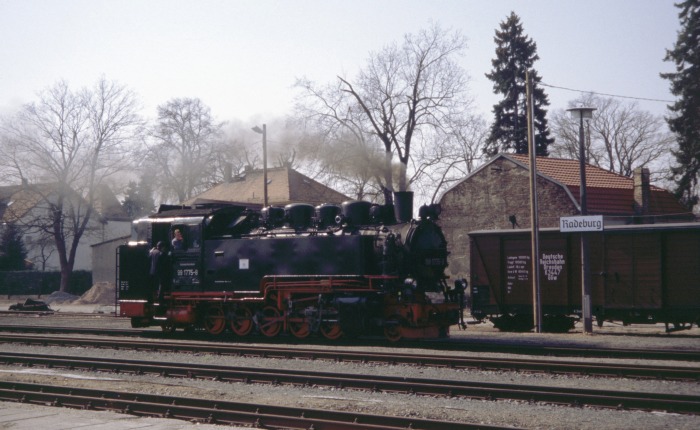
(431,387)
(216,412)
(452,345)
(451,361)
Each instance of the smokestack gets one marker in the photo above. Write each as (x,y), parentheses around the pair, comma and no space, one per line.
(403,206)
(642,191)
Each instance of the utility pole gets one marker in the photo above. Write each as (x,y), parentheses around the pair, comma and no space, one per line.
(535,234)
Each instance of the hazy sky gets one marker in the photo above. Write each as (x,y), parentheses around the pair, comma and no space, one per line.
(241,58)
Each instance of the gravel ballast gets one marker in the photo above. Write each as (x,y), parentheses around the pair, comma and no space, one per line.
(492,412)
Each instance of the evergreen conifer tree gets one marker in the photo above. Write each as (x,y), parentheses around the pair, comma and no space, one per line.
(685,118)
(131,203)
(12,249)
(515,55)
(138,200)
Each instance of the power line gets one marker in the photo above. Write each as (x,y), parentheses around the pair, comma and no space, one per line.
(608,95)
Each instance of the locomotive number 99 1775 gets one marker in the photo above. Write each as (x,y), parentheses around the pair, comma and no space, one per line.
(187,272)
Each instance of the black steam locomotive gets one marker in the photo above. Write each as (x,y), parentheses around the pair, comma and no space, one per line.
(352,269)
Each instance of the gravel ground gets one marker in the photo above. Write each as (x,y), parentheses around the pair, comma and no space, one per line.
(508,413)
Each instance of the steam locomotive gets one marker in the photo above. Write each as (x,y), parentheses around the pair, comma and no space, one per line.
(350,269)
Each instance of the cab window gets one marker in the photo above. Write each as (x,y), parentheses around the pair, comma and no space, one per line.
(185,237)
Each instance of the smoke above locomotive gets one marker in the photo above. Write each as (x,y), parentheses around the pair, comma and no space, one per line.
(350,269)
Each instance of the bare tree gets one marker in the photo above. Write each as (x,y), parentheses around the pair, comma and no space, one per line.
(347,164)
(72,141)
(41,248)
(241,148)
(183,147)
(237,150)
(402,96)
(448,160)
(622,137)
(285,142)
(336,147)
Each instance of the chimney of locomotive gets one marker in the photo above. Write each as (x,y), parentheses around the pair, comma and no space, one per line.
(403,206)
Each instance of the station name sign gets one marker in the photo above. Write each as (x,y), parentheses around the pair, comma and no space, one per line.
(581,223)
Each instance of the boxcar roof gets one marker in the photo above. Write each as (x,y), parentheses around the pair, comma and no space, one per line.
(629,227)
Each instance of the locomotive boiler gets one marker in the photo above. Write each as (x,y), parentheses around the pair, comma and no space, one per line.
(352,269)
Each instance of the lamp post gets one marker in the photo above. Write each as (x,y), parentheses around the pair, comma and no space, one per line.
(264,137)
(582,113)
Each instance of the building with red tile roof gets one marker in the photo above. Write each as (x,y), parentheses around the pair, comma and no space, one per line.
(497,196)
(608,193)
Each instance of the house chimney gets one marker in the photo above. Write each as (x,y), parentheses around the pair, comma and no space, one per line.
(642,191)
(227,172)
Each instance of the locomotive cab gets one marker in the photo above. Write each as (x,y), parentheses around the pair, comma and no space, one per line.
(137,292)
(186,258)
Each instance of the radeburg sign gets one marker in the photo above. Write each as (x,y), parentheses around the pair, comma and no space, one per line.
(581,223)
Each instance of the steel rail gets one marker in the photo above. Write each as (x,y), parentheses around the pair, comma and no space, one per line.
(216,412)
(452,361)
(433,387)
(444,345)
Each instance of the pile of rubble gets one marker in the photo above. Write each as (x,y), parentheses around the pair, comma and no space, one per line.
(102,293)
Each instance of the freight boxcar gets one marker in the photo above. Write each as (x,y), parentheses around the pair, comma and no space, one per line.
(639,274)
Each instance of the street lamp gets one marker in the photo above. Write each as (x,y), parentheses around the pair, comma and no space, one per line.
(582,113)
(264,137)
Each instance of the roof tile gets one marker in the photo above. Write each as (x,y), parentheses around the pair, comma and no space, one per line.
(568,173)
(607,193)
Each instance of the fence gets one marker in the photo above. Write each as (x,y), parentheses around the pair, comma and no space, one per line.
(33,283)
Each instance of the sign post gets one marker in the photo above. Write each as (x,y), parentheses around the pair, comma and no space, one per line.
(583,224)
(568,224)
